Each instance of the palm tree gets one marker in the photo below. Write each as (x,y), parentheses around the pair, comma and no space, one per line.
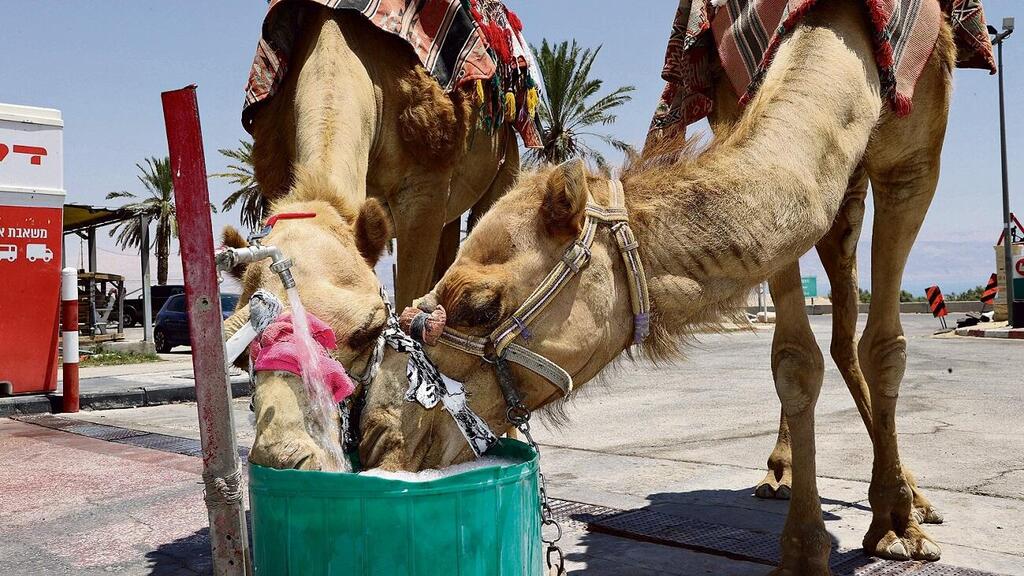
(241,175)
(159,206)
(568,112)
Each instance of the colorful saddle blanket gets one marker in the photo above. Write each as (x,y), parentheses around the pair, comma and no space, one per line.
(746,33)
(457,41)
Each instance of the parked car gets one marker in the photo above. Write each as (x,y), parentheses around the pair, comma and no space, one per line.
(158,296)
(171,328)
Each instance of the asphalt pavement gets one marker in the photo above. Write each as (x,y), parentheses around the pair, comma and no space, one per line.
(685,441)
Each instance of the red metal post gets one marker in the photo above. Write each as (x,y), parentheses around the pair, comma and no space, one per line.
(69,337)
(223,495)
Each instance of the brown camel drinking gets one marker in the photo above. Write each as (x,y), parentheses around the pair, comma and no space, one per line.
(357,116)
(709,228)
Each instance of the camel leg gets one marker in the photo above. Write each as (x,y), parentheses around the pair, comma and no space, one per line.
(419,232)
(900,207)
(838,251)
(903,165)
(798,368)
(508,171)
(778,482)
(447,249)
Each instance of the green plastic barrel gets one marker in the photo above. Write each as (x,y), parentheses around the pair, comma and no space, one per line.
(483,522)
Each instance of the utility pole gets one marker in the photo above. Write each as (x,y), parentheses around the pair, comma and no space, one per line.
(997,40)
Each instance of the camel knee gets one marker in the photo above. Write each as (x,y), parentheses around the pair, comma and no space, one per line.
(844,353)
(798,375)
(885,361)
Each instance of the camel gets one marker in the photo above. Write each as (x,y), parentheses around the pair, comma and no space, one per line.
(391,134)
(709,228)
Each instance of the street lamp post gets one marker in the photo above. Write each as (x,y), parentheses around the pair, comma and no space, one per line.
(997,40)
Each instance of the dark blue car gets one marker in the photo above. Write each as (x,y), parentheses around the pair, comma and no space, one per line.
(171,328)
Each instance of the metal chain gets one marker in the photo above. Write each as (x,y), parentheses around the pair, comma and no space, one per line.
(519,416)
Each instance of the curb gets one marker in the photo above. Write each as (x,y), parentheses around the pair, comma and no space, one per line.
(1011,334)
(128,398)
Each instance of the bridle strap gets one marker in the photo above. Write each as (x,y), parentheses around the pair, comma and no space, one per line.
(575,258)
(500,342)
(629,248)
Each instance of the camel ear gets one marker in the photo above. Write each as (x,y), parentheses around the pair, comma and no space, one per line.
(565,199)
(232,238)
(373,230)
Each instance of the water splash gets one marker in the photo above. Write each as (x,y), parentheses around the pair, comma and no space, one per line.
(321,411)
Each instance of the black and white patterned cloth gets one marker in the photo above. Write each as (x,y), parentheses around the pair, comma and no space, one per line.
(427,385)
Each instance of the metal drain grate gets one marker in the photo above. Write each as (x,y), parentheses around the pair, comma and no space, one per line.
(47,421)
(165,443)
(139,438)
(855,563)
(576,515)
(649,526)
(658,528)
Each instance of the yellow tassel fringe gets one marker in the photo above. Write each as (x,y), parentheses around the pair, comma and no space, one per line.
(479,92)
(532,98)
(510,106)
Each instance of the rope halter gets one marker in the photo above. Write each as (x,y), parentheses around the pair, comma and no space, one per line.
(500,344)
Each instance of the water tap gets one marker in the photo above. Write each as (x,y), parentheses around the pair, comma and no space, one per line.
(280,264)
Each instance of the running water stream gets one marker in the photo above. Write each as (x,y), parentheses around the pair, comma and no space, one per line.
(322,420)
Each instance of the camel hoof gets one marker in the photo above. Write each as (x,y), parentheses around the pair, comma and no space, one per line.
(896,550)
(765,491)
(784,492)
(914,546)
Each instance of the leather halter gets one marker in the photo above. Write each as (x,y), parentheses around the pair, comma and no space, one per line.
(500,343)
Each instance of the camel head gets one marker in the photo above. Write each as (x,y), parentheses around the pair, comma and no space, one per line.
(507,255)
(333,254)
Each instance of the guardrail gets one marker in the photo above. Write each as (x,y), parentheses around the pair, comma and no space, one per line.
(959,307)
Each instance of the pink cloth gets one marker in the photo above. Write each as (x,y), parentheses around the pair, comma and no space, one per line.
(278,348)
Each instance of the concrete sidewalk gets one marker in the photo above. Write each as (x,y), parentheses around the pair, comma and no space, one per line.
(126,386)
(988,330)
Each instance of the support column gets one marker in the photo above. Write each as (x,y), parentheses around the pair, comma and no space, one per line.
(93,263)
(223,494)
(147,296)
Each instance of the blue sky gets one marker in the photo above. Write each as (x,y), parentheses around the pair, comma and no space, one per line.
(105,63)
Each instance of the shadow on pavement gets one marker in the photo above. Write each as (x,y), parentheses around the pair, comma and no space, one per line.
(707,531)
(187,556)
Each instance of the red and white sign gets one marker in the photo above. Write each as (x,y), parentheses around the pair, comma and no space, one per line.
(1019,269)
(31,149)
(31,229)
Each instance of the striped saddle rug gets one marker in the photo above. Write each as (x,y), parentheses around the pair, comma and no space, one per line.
(459,42)
(744,35)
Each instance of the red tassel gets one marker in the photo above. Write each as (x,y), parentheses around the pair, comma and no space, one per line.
(902,104)
(514,20)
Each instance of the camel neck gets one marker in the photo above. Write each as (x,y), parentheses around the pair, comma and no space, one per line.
(712,226)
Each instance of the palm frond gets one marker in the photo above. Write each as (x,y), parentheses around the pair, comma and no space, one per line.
(568,106)
(247,193)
